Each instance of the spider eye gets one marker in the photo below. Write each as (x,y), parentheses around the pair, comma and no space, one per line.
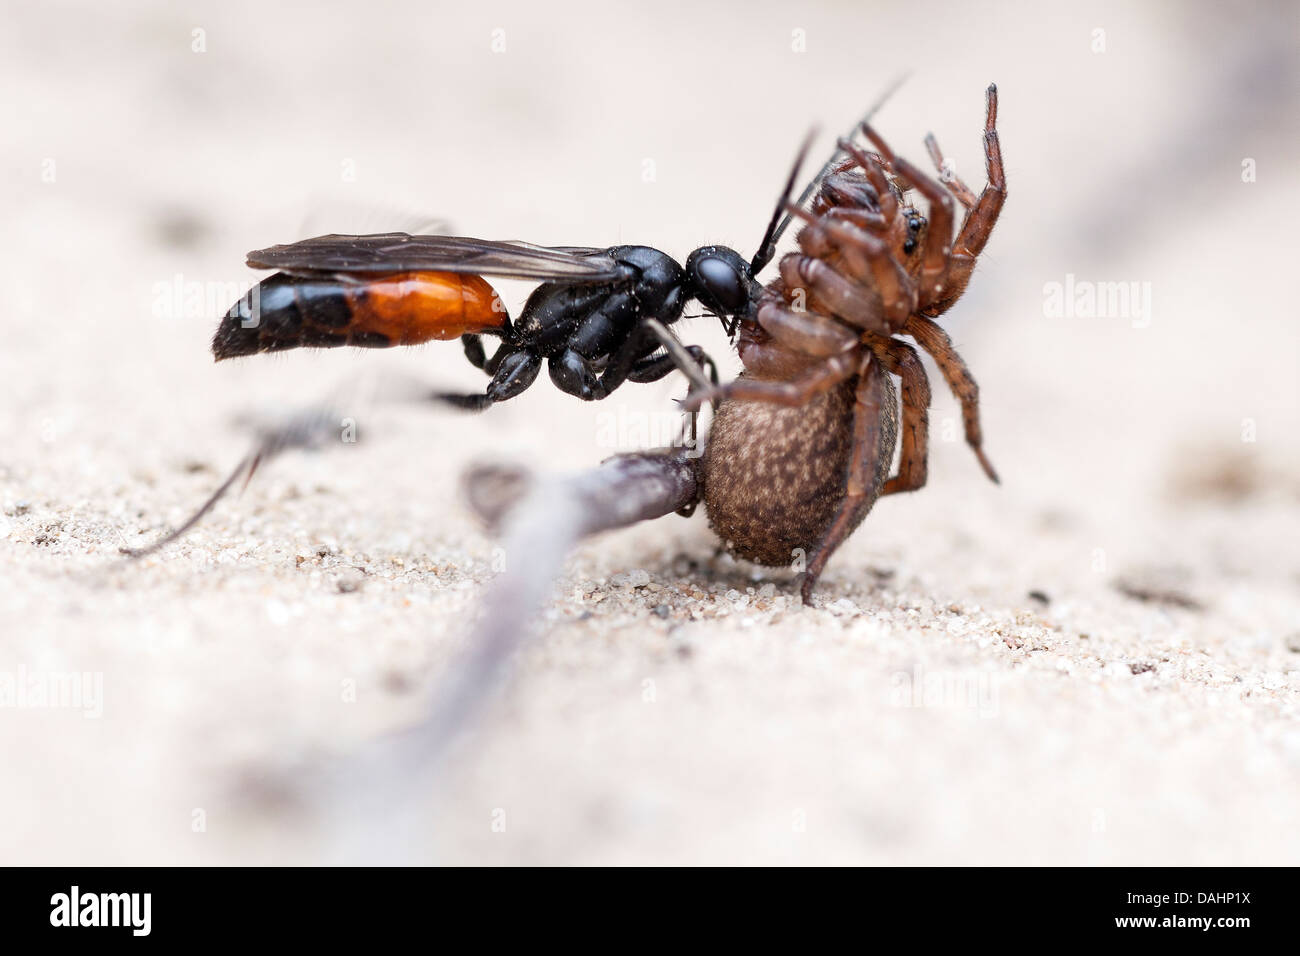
(909,246)
(914,224)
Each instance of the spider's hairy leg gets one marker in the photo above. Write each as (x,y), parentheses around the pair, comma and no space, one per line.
(946,175)
(901,359)
(822,377)
(807,333)
(938,239)
(977,228)
(835,164)
(931,337)
(867,260)
(865,219)
(848,189)
(829,291)
(873,447)
(978,225)
(887,195)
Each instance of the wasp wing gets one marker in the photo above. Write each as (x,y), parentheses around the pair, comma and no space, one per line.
(392,252)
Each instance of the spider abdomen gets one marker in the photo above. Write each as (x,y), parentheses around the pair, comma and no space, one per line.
(775,476)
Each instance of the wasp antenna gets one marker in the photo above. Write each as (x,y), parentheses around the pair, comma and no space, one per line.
(767,247)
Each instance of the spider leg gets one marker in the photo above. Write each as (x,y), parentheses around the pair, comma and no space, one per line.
(931,337)
(946,176)
(867,259)
(887,196)
(938,238)
(873,449)
(846,189)
(979,223)
(864,219)
(977,228)
(823,376)
(808,333)
(831,292)
(901,359)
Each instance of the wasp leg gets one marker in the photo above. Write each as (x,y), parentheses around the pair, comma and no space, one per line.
(654,367)
(466,403)
(515,371)
(473,345)
(873,451)
(573,375)
(640,344)
(572,372)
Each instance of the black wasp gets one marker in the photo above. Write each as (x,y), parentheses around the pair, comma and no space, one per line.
(586,319)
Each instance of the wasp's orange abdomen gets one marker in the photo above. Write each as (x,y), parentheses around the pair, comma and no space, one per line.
(285,311)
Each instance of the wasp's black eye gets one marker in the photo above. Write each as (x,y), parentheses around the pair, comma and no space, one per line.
(909,247)
(722,284)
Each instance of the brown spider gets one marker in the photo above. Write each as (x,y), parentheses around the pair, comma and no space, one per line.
(869,267)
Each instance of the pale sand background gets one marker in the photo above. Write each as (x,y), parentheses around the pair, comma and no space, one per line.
(1098,728)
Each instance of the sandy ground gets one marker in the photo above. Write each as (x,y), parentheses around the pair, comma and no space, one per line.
(1096,662)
